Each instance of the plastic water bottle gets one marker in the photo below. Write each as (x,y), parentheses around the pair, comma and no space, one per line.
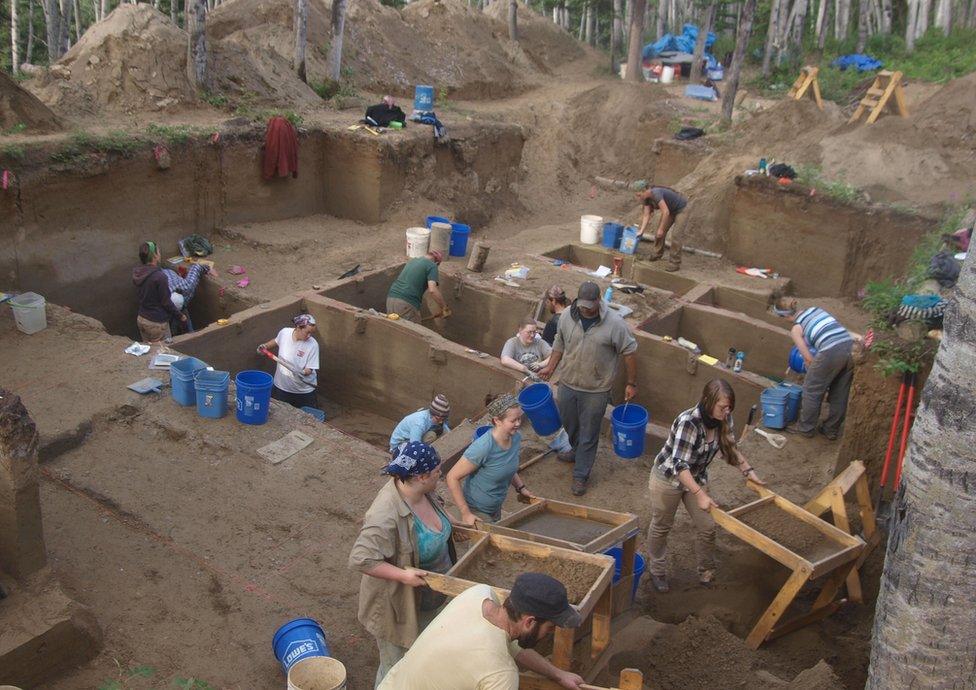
(608,295)
(762,166)
(739,358)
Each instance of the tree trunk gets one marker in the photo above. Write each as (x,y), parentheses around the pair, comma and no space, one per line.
(593,29)
(29,55)
(588,24)
(196,26)
(635,41)
(14,34)
(862,26)
(662,18)
(742,36)
(971,19)
(774,11)
(78,30)
(300,25)
(886,16)
(924,629)
(922,24)
(798,25)
(513,21)
(943,16)
(822,23)
(703,28)
(67,9)
(52,28)
(582,28)
(617,28)
(337,30)
(174,11)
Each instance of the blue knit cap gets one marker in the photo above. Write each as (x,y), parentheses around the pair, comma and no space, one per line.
(414,458)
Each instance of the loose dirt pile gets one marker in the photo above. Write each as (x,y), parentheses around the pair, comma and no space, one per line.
(19,107)
(132,61)
(799,537)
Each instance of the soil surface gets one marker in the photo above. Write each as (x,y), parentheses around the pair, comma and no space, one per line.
(565,527)
(802,539)
(499,568)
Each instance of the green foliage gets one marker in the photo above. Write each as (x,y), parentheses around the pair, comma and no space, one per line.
(13,152)
(216,100)
(335,91)
(897,356)
(124,675)
(15,129)
(174,135)
(115,142)
(192,684)
(811,176)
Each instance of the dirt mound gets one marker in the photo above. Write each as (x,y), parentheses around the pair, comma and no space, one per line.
(545,43)
(133,60)
(21,108)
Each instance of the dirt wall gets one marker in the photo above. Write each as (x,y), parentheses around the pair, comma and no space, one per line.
(593,256)
(754,304)
(675,159)
(783,227)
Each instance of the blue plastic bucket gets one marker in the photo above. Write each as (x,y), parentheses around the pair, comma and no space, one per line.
(315,412)
(612,232)
(796,360)
(540,408)
(211,388)
(298,640)
(481,431)
(253,396)
(435,219)
(423,98)
(794,396)
(459,239)
(618,559)
(181,373)
(629,422)
(773,402)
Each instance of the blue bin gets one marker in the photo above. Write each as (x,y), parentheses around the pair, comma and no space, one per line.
(773,401)
(253,396)
(315,412)
(612,233)
(796,360)
(298,640)
(181,373)
(459,239)
(435,219)
(211,388)
(537,402)
(423,98)
(629,422)
(480,431)
(618,559)
(793,399)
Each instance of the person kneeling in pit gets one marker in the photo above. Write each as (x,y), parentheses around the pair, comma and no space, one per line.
(426,424)
(478,642)
(296,376)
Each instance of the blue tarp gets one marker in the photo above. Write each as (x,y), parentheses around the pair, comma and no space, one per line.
(704,93)
(863,63)
(684,43)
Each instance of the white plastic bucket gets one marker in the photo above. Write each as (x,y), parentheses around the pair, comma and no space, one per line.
(317,673)
(440,237)
(590,229)
(418,240)
(29,312)
(667,74)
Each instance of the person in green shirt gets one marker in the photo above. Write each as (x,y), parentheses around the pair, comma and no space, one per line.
(418,276)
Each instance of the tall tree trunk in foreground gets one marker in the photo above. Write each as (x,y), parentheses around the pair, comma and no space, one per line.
(589,23)
(300,21)
(14,33)
(513,21)
(78,30)
(661,26)
(336,32)
(704,27)
(174,11)
(742,35)
(29,56)
(943,16)
(67,9)
(616,30)
(862,26)
(924,628)
(886,10)
(196,27)
(636,39)
(822,23)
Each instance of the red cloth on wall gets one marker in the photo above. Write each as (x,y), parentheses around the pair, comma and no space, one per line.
(280,149)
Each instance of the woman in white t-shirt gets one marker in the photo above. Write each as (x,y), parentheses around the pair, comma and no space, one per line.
(526,351)
(297,348)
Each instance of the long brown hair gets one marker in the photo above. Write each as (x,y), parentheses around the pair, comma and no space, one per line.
(715,390)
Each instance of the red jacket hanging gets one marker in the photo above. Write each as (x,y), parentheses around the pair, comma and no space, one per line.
(280,149)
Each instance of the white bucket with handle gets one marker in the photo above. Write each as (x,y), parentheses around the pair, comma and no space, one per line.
(418,240)
(667,74)
(590,227)
(317,673)
(29,312)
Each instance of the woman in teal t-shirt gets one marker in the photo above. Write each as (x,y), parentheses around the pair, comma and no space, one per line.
(490,465)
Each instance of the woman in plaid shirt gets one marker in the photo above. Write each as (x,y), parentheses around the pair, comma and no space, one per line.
(680,475)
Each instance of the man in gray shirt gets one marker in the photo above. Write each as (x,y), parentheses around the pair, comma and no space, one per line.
(672,206)
(590,340)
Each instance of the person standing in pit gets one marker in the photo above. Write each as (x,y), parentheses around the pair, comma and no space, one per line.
(490,465)
(296,347)
(156,307)
(182,290)
(556,303)
(673,206)
(405,534)
(418,276)
(680,475)
(426,424)
(590,340)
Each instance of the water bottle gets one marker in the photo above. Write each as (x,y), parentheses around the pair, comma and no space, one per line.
(608,295)
(739,357)
(730,358)
(762,166)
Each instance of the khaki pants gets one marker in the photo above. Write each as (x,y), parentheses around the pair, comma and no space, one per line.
(395,305)
(152,332)
(678,231)
(664,504)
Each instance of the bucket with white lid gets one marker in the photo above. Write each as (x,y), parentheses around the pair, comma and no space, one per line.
(30,314)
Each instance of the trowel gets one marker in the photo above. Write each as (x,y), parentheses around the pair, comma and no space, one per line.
(775,440)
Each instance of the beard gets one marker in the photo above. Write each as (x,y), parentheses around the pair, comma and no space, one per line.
(529,639)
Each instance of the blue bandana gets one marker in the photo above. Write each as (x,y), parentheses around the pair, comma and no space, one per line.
(413,459)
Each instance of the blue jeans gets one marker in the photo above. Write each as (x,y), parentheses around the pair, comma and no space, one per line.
(582,415)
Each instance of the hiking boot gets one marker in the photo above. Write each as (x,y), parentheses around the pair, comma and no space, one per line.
(794,429)
(660,583)
(566,456)
(827,434)
(579,487)
(706,577)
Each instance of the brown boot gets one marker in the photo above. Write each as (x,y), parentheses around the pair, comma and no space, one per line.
(658,252)
(674,257)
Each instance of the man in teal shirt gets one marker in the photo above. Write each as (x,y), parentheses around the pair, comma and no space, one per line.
(417,277)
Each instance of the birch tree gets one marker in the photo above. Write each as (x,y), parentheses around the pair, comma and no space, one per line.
(300,22)
(924,629)
(174,10)
(635,41)
(704,27)
(862,26)
(513,21)
(29,55)
(196,27)
(14,34)
(336,31)
(616,30)
(776,6)
(742,35)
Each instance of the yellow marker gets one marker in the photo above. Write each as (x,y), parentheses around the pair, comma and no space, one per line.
(393,317)
(223,322)
(707,359)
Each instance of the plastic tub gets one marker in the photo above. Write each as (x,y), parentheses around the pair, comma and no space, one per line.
(629,423)
(298,640)
(459,239)
(315,412)
(211,388)
(629,240)
(537,402)
(435,219)
(667,74)
(181,373)
(796,362)
(30,314)
(773,401)
(480,431)
(611,235)
(793,399)
(618,559)
(590,229)
(317,673)
(423,98)
(253,396)
(418,241)
(440,236)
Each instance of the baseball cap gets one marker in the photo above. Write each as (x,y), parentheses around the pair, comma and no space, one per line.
(543,596)
(437,255)
(588,295)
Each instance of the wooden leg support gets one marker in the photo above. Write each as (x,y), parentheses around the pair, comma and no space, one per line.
(562,648)
(775,611)
(823,606)
(839,509)
(600,635)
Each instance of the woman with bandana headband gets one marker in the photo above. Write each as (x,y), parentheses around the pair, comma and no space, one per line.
(680,475)
(296,347)
(405,534)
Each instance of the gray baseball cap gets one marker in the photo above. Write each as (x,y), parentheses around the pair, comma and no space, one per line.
(588,296)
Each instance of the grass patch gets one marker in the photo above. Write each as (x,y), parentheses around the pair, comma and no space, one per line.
(216,100)
(812,176)
(15,129)
(117,142)
(174,135)
(13,152)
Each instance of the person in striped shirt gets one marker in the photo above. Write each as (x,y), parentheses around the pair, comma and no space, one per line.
(826,349)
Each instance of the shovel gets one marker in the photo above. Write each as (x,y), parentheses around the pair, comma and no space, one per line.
(287,365)
(749,424)
(775,440)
